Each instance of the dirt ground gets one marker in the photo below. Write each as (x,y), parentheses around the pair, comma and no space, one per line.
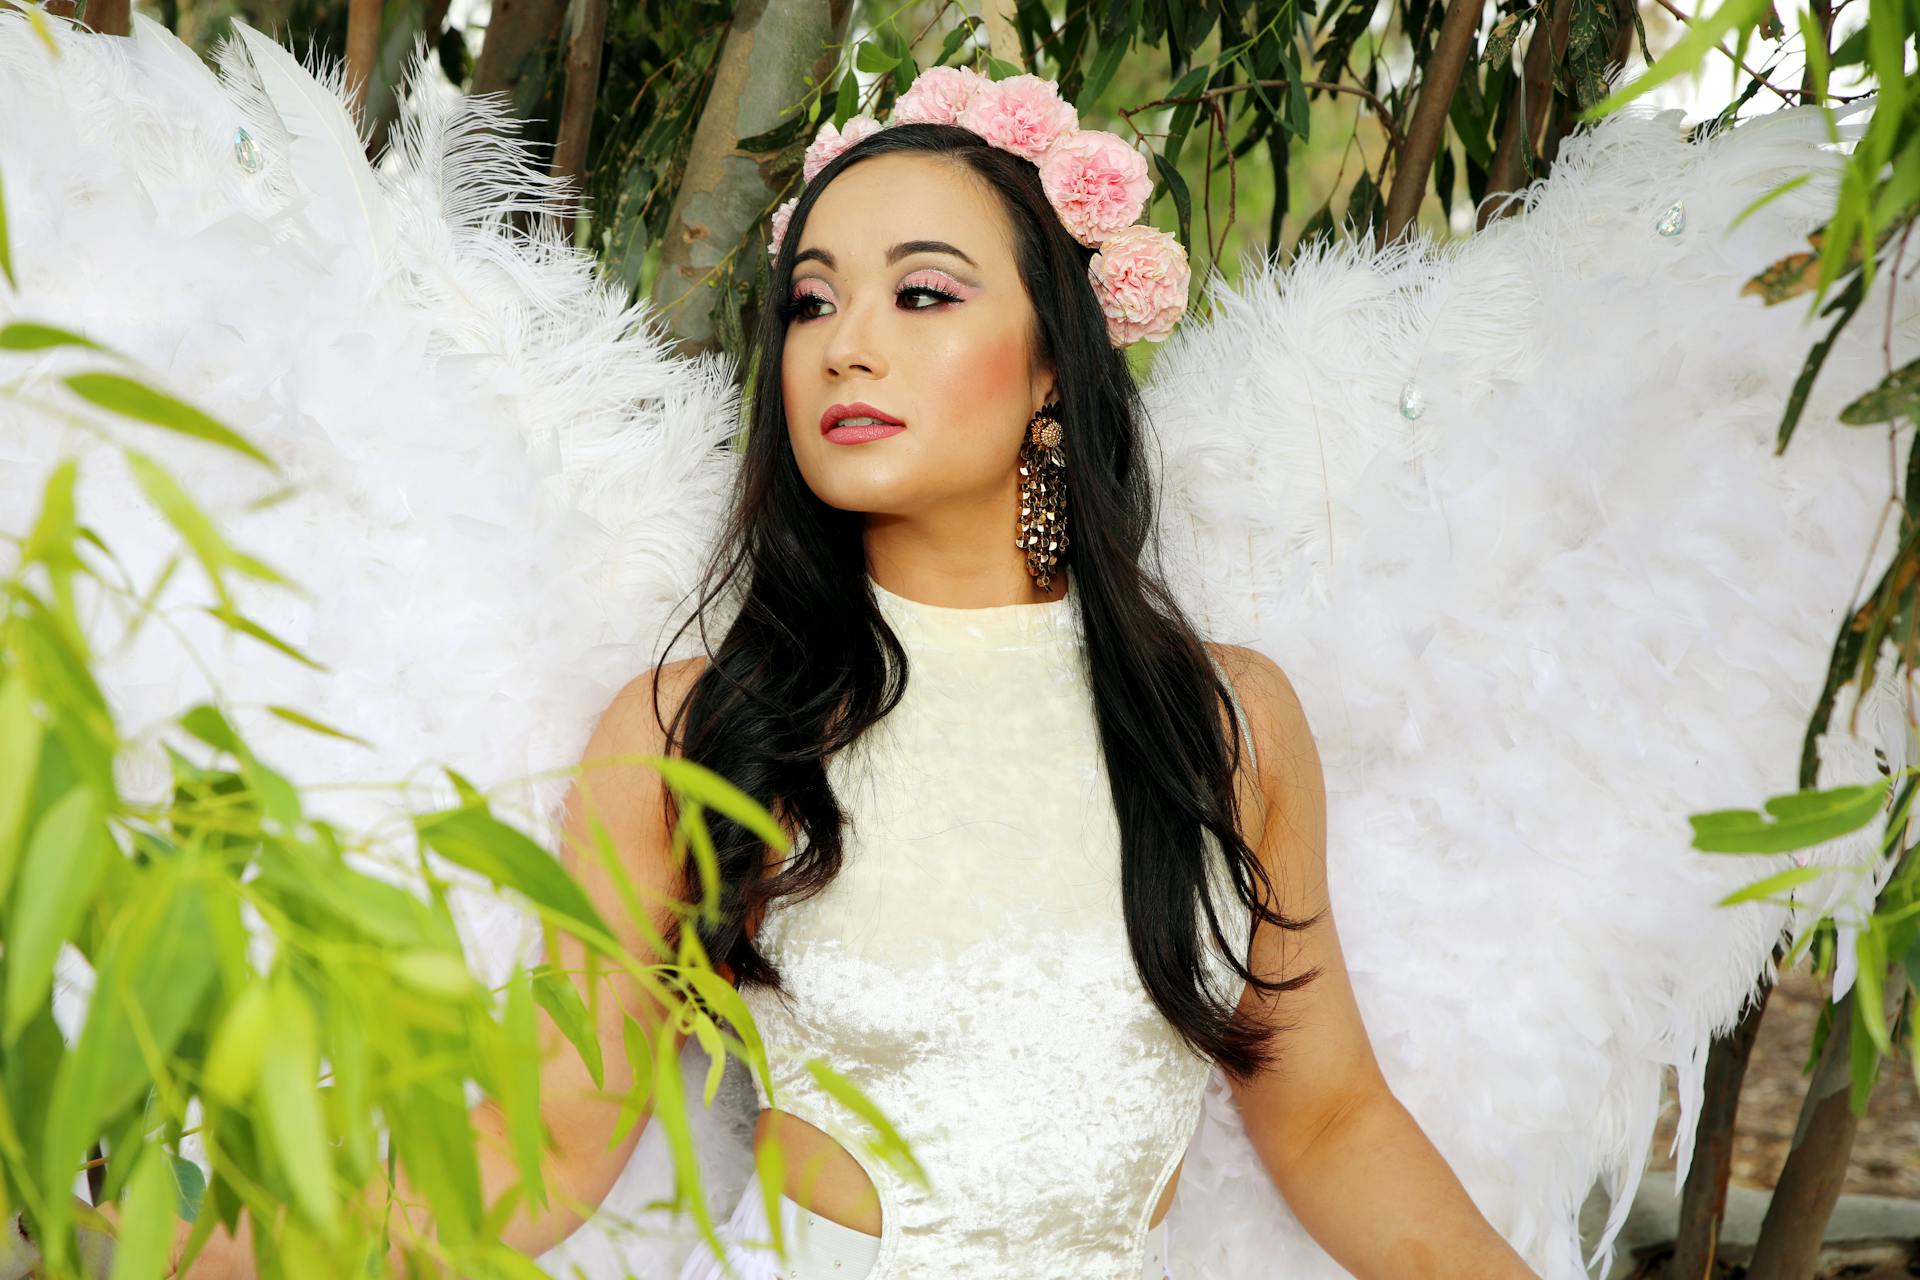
(1886,1156)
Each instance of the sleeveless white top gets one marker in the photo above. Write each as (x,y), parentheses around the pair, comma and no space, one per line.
(968,966)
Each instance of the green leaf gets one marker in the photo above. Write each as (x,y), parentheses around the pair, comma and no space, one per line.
(190,1188)
(890,1146)
(133,399)
(305,721)
(1791,878)
(433,1133)
(146,1222)
(769,1163)
(1105,63)
(633,1038)
(1869,987)
(473,838)
(846,103)
(714,791)
(1802,819)
(951,45)
(1001,69)
(155,966)
(438,973)
(207,723)
(187,519)
(6,243)
(670,1110)
(65,861)
(1182,201)
(233,1061)
(724,999)
(26,336)
(20,735)
(523,1093)
(872,58)
(290,1106)
(554,991)
(234,620)
(1897,396)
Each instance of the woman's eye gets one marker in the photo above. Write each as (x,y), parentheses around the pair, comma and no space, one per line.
(940,295)
(798,304)
(799,307)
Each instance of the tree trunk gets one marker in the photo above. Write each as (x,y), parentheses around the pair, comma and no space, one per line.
(1816,1167)
(516,30)
(726,192)
(1003,39)
(1428,132)
(363,45)
(1703,1205)
(585,43)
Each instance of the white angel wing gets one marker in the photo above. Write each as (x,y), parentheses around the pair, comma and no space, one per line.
(1573,600)
(503,476)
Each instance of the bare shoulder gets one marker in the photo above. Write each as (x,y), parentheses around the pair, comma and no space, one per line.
(633,721)
(1282,738)
(615,782)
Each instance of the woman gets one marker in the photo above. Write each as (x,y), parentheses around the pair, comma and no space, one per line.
(1010,942)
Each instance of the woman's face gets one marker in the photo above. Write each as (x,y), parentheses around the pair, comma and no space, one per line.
(935,335)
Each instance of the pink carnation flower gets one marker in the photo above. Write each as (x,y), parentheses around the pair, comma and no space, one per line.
(1095,182)
(1022,114)
(777,230)
(937,96)
(1140,275)
(830,142)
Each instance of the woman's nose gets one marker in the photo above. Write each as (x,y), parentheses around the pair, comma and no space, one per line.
(851,345)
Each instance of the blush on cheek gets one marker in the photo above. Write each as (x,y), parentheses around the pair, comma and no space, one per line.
(986,375)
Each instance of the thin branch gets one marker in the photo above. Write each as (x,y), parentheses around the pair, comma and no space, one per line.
(1221,91)
(1673,9)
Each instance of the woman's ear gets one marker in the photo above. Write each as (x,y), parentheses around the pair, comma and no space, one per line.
(1050,386)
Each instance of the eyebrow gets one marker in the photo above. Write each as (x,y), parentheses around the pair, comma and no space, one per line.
(894,254)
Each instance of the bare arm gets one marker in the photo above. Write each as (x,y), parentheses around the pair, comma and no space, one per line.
(1354,1166)
(581,1168)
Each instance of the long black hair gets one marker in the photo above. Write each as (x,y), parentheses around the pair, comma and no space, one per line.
(809,664)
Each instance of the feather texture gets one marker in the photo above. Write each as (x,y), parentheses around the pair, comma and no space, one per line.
(326,152)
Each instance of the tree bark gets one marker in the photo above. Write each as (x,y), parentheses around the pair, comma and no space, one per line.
(363,47)
(585,43)
(1816,1167)
(516,30)
(1428,131)
(1003,38)
(1703,1204)
(727,192)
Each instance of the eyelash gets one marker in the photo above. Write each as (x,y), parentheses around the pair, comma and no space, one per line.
(797,304)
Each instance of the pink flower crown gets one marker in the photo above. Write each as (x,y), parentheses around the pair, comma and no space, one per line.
(1096,183)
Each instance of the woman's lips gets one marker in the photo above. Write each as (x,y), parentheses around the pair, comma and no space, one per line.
(860,433)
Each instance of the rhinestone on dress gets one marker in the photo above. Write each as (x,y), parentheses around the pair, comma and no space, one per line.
(1412,402)
(1673,221)
(246,152)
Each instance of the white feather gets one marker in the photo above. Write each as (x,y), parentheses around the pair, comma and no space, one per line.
(328,154)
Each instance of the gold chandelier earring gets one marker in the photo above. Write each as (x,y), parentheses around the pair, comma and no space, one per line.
(1042,524)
